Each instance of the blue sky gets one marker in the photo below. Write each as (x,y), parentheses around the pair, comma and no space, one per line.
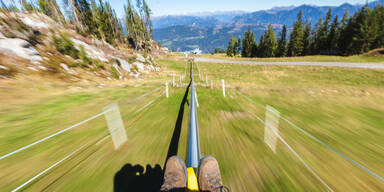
(172,7)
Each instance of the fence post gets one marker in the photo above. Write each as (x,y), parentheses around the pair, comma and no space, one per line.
(211,84)
(166,89)
(185,69)
(115,125)
(223,87)
(271,131)
(173,80)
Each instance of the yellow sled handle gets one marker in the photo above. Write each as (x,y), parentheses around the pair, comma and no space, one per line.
(192,184)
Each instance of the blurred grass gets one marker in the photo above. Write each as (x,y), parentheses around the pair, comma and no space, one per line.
(32,122)
(342,107)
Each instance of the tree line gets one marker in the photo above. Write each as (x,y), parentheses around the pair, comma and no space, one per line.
(96,18)
(357,34)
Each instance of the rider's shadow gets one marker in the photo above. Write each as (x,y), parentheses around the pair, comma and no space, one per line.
(134,178)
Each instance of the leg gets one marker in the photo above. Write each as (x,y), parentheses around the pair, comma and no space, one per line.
(175,175)
(209,175)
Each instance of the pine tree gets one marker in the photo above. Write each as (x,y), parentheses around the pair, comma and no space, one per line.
(344,21)
(51,9)
(114,24)
(86,16)
(333,37)
(105,22)
(260,49)
(143,23)
(230,47)
(360,32)
(253,45)
(324,44)
(306,39)
(281,50)
(45,7)
(98,17)
(147,19)
(295,46)
(269,43)
(376,27)
(235,45)
(27,6)
(73,13)
(320,43)
(247,44)
(345,34)
(380,26)
(315,45)
(91,18)
(131,24)
(119,29)
(238,49)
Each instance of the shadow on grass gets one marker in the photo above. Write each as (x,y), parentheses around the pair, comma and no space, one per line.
(135,179)
(174,144)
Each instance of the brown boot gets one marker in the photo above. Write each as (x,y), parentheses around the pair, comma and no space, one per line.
(209,175)
(175,175)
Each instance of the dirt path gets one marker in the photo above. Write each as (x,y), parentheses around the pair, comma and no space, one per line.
(323,64)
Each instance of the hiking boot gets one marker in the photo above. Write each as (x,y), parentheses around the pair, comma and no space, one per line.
(209,175)
(175,175)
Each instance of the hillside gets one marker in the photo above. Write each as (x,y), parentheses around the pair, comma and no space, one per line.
(34,44)
(190,32)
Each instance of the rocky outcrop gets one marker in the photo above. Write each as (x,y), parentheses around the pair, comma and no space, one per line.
(44,45)
(20,48)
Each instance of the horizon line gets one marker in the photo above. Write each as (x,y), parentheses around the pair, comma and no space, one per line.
(247,11)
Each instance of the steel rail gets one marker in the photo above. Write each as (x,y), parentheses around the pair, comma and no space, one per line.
(193,154)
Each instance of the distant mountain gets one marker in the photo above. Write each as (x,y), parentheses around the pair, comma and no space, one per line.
(288,16)
(196,19)
(208,31)
(222,16)
(184,38)
(170,21)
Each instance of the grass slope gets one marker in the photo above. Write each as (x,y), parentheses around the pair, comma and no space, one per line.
(342,107)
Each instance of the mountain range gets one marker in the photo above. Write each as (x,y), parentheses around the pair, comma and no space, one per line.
(208,31)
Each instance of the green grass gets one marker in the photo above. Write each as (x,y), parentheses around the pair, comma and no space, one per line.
(342,107)
(26,124)
(65,46)
(316,58)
